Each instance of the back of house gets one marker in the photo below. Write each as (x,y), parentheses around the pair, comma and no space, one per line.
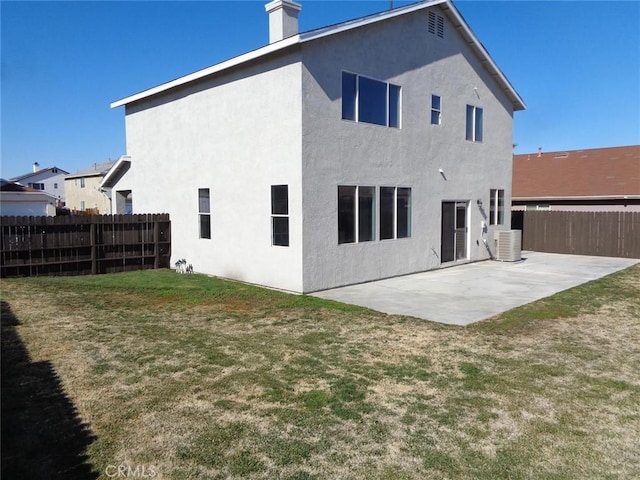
(376,147)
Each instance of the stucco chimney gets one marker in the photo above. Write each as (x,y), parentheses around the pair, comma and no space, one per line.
(283,19)
(36,167)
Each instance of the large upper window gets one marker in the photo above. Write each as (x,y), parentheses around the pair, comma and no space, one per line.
(474,123)
(280,215)
(371,101)
(496,207)
(395,212)
(356,214)
(204,212)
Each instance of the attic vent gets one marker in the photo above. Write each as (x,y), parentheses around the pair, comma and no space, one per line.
(436,24)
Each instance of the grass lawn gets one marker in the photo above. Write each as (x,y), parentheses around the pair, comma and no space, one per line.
(184,377)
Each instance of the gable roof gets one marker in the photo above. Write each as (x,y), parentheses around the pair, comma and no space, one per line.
(39,172)
(95,170)
(578,174)
(445,5)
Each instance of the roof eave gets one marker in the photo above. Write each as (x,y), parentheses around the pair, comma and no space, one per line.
(114,171)
(219,67)
(474,43)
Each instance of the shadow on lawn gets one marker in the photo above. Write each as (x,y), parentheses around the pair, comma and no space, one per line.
(42,435)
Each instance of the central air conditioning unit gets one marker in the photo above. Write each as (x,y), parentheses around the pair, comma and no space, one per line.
(509,249)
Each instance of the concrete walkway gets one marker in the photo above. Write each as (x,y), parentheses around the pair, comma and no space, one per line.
(469,293)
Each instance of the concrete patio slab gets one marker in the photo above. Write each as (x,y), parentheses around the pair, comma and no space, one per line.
(469,293)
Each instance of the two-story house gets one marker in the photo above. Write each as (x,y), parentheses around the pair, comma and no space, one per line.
(49,180)
(368,149)
(84,191)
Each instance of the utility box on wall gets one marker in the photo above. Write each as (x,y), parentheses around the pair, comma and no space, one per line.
(509,249)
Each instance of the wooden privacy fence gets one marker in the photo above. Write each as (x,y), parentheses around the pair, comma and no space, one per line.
(608,234)
(79,245)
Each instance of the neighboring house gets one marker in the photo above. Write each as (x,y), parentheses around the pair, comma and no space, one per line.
(372,148)
(49,180)
(84,191)
(598,179)
(18,200)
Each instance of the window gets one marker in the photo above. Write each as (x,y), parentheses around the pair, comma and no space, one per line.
(366,214)
(436,24)
(36,186)
(55,185)
(204,212)
(82,182)
(496,208)
(356,207)
(387,200)
(436,113)
(280,215)
(395,212)
(474,123)
(82,206)
(370,101)
(403,212)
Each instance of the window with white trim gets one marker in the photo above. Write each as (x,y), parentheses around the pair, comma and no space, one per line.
(496,206)
(356,214)
(204,212)
(82,182)
(395,212)
(280,215)
(436,112)
(368,100)
(474,124)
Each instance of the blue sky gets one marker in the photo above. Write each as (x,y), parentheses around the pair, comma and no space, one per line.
(575,64)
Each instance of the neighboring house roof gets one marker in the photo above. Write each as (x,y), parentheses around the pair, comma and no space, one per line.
(39,172)
(10,186)
(598,173)
(446,5)
(95,170)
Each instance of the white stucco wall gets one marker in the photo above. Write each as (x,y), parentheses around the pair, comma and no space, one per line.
(341,152)
(236,134)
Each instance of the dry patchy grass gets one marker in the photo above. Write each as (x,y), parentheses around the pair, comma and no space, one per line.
(201,378)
